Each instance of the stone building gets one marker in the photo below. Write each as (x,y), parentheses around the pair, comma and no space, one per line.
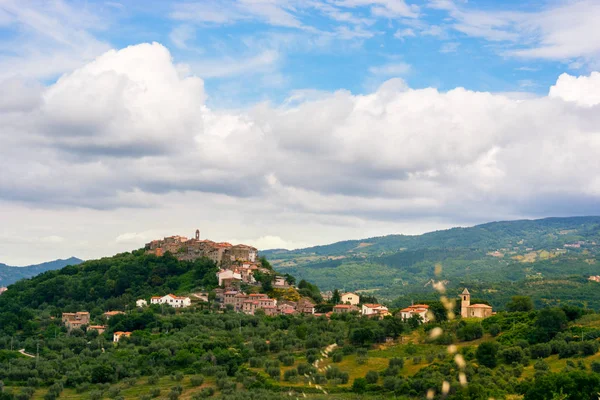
(76,320)
(468,310)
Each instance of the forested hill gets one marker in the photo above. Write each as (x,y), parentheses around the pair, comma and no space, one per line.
(547,232)
(533,257)
(111,283)
(10,274)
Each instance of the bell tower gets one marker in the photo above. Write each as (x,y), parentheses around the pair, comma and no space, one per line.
(465,302)
(197,234)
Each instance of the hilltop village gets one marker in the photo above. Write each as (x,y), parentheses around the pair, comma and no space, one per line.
(242,278)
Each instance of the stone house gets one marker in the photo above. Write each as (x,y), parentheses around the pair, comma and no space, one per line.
(468,310)
(75,320)
(98,328)
(141,303)
(118,335)
(110,314)
(344,308)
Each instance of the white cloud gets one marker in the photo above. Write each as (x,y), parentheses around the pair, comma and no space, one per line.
(391,69)
(181,35)
(263,62)
(402,33)
(583,90)
(450,47)
(128,142)
(561,31)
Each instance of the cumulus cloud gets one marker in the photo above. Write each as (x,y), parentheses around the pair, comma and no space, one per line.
(131,130)
(583,90)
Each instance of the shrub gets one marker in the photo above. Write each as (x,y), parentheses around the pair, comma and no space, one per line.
(541,350)
(337,357)
(596,366)
(145,397)
(372,377)
(494,329)
(541,365)
(274,372)
(396,362)
(359,385)
(177,376)
(113,392)
(82,388)
(512,355)
(589,348)
(94,395)
(173,395)
(290,375)
(204,393)
(154,392)
(306,369)
(256,362)
(197,380)
(288,361)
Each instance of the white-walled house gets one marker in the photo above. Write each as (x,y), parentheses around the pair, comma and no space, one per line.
(374,310)
(228,275)
(416,309)
(172,300)
(350,298)
(141,303)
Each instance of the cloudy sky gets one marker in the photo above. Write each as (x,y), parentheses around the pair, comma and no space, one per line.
(288,123)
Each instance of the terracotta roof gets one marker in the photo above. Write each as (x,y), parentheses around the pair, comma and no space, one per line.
(113,313)
(343,306)
(372,305)
(96,327)
(420,306)
(480,306)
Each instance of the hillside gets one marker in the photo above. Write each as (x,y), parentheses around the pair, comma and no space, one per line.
(10,274)
(206,351)
(517,252)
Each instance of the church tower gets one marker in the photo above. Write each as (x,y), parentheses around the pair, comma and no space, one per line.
(197,234)
(465,302)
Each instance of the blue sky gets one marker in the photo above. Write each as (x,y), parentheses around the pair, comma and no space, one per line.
(289,123)
(286,45)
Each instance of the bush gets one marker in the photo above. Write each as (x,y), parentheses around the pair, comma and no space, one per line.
(94,395)
(512,355)
(290,375)
(197,380)
(337,357)
(494,330)
(145,397)
(274,372)
(372,377)
(173,395)
(288,361)
(589,348)
(396,362)
(541,365)
(113,392)
(154,392)
(177,376)
(541,350)
(306,369)
(256,362)
(596,366)
(204,393)
(359,385)
(570,350)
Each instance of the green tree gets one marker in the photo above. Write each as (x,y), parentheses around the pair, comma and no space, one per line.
(519,303)
(336,298)
(486,354)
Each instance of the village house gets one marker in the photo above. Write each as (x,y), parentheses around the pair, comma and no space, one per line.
(75,320)
(594,278)
(229,298)
(416,309)
(284,308)
(374,310)
(305,306)
(350,298)
(279,282)
(468,310)
(327,295)
(98,328)
(3,289)
(110,314)
(228,278)
(118,335)
(141,303)
(172,300)
(344,308)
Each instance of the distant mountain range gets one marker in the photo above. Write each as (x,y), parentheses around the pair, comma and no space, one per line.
(544,252)
(10,274)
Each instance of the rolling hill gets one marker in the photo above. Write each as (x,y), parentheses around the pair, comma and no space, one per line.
(497,253)
(10,274)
